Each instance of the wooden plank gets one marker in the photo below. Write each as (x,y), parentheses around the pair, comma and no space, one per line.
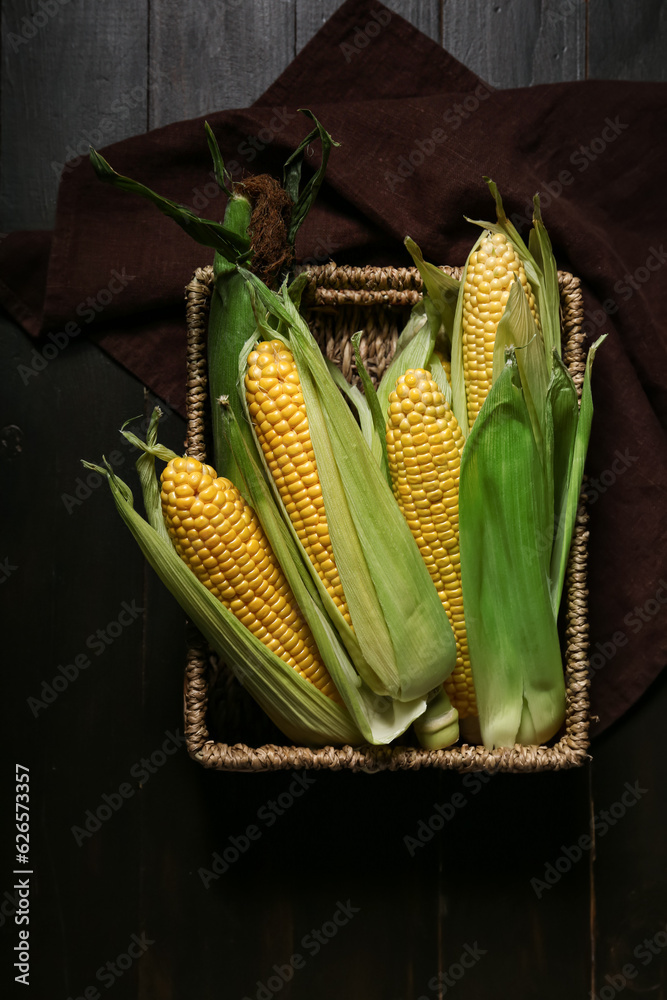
(312,14)
(501,834)
(627,41)
(357,892)
(176,813)
(630,792)
(241,48)
(73,75)
(345,837)
(495,894)
(211,56)
(316,877)
(511,43)
(629,784)
(76,692)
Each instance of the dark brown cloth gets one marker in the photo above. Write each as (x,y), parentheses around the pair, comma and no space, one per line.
(417,132)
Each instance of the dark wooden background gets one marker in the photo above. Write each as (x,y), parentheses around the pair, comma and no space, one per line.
(407,914)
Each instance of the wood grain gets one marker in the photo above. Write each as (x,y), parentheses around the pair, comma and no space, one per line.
(627,41)
(312,14)
(221,54)
(70,79)
(498,841)
(630,807)
(510,43)
(80,733)
(345,837)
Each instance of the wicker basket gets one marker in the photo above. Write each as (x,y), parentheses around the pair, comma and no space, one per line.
(339,301)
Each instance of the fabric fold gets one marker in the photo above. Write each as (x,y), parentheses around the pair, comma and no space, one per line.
(418,132)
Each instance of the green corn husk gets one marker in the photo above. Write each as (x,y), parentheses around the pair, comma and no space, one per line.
(413,349)
(504,512)
(541,270)
(517,329)
(380,718)
(402,645)
(437,370)
(569,485)
(230,323)
(231,319)
(429,329)
(294,705)
(378,440)
(521,474)
(548,304)
(376,719)
(459,404)
(367,424)
(442,292)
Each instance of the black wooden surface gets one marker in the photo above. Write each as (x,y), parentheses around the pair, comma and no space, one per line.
(339,846)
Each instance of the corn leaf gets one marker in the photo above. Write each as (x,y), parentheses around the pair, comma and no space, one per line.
(150,450)
(231,321)
(517,330)
(204,231)
(443,292)
(378,667)
(548,294)
(570,503)
(563,412)
(303,200)
(512,634)
(222,175)
(459,402)
(379,438)
(297,287)
(358,401)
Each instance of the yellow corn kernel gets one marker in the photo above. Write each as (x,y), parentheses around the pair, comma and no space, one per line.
(488,279)
(424,445)
(277,409)
(446,364)
(219,537)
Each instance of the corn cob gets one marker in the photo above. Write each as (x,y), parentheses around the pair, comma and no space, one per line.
(446,364)
(424,445)
(490,271)
(218,535)
(277,409)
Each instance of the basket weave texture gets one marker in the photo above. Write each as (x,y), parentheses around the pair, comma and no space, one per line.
(338,302)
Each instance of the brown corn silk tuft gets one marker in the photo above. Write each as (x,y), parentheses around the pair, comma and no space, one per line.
(272,253)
